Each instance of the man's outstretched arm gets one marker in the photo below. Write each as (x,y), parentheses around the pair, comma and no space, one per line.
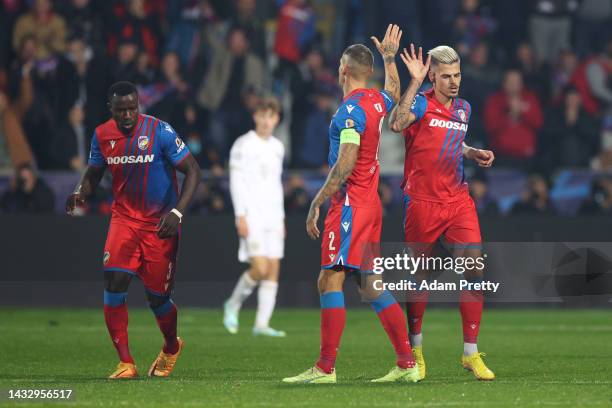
(484,158)
(402,115)
(168,224)
(87,185)
(388,50)
(338,174)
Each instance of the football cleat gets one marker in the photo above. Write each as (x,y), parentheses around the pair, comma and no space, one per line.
(268,331)
(312,376)
(230,319)
(410,375)
(417,351)
(474,363)
(124,370)
(164,363)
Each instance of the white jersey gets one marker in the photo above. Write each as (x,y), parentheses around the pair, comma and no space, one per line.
(256,166)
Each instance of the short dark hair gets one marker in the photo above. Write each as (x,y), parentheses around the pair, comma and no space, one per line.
(121,88)
(360,54)
(359,60)
(269,103)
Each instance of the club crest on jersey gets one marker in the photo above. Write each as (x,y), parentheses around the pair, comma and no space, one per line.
(106,257)
(143,142)
(461,113)
(349,123)
(378,107)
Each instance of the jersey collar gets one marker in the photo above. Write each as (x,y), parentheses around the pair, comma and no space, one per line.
(353,92)
(432,97)
(137,127)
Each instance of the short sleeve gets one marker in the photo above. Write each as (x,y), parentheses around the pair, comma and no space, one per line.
(350,117)
(419,106)
(172,146)
(389,104)
(96,158)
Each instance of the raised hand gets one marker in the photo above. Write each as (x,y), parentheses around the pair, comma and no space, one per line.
(390,44)
(417,69)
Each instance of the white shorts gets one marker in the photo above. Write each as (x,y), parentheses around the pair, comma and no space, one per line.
(267,242)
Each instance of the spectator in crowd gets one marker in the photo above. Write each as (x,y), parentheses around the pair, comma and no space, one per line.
(84,20)
(93,78)
(473,26)
(603,161)
(9,13)
(562,73)
(28,193)
(550,27)
(479,79)
(535,199)
(193,26)
(513,116)
(294,34)
(51,89)
(166,97)
(14,147)
(593,81)
(297,200)
(536,76)
(234,71)
(593,21)
(479,190)
(125,66)
(312,152)
(600,199)
(512,18)
(312,75)
(211,198)
(246,16)
(133,21)
(570,136)
(47,28)
(69,148)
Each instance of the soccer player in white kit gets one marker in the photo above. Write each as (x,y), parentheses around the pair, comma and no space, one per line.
(256,165)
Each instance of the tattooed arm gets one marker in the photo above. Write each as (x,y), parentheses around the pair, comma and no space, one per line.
(388,49)
(338,174)
(402,115)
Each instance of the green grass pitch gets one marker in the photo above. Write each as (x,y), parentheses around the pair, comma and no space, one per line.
(541,358)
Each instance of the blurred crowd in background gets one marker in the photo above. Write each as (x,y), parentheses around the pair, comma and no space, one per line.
(538,74)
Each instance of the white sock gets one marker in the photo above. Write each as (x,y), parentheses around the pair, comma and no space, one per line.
(416,339)
(244,287)
(266,300)
(469,348)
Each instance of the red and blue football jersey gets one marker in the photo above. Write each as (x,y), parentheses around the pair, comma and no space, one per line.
(433,168)
(363,110)
(142,165)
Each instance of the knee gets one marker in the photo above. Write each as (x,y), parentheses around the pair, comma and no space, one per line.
(258,271)
(330,281)
(117,282)
(156,301)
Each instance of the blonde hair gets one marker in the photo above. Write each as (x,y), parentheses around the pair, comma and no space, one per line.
(443,54)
